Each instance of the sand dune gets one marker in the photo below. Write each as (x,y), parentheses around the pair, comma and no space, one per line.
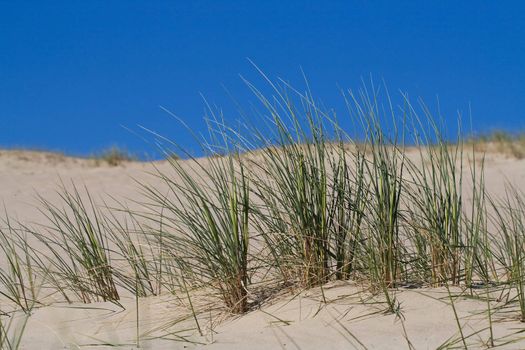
(338,316)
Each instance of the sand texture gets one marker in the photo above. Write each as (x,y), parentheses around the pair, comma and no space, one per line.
(340,315)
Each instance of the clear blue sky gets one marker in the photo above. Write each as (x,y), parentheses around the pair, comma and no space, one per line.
(73,72)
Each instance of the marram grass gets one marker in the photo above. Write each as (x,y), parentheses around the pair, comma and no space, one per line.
(308,205)
(76,257)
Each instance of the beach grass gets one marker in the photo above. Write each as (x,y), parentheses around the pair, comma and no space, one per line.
(113,156)
(307,206)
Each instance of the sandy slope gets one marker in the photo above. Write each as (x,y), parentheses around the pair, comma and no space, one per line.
(349,320)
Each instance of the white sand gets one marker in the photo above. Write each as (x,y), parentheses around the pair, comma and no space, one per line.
(302,322)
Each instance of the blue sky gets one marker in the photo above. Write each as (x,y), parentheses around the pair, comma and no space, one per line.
(73,72)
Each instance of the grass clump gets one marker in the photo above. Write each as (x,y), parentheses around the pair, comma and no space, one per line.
(77,256)
(318,205)
(384,170)
(330,208)
(437,204)
(509,218)
(205,232)
(308,206)
(501,141)
(310,202)
(17,278)
(296,219)
(18,285)
(113,156)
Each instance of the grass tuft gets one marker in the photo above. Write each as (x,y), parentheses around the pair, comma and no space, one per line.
(77,256)
(113,156)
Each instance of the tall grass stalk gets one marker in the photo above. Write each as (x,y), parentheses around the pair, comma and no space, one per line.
(436,197)
(132,243)
(12,329)
(206,225)
(383,169)
(456,316)
(293,192)
(76,253)
(352,191)
(385,172)
(17,278)
(509,218)
(311,192)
